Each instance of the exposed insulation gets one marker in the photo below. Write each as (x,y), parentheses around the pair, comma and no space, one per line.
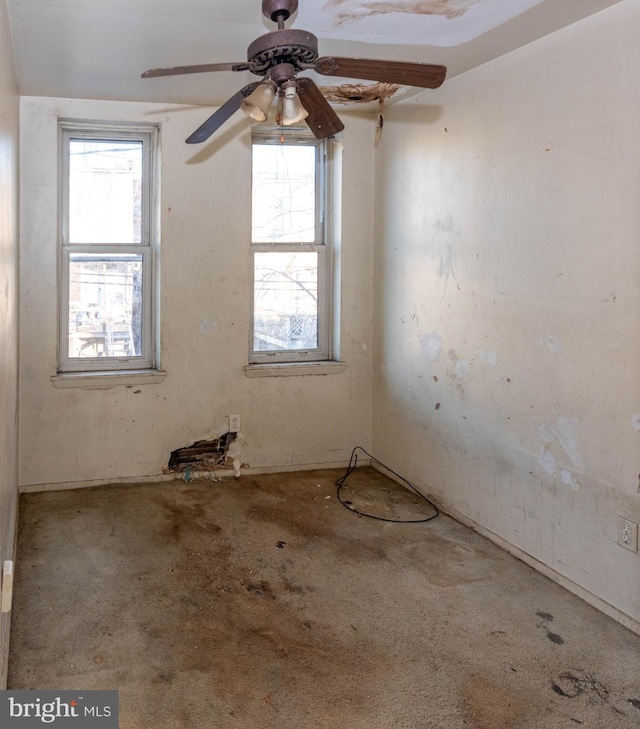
(359,93)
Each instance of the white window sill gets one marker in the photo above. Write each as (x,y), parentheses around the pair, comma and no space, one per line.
(108,379)
(291,369)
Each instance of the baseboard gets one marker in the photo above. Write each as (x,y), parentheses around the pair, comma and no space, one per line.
(4,661)
(68,485)
(193,476)
(544,569)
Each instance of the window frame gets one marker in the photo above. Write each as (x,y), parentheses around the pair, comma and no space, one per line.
(147,248)
(321,246)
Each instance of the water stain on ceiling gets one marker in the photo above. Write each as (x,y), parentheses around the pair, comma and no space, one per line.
(350,10)
(445,23)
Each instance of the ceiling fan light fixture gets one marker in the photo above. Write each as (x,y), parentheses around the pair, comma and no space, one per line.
(279,56)
(292,110)
(256,106)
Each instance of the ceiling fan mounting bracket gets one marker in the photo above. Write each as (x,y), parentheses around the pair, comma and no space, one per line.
(297,47)
(275,9)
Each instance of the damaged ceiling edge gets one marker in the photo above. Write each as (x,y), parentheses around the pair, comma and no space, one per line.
(362,93)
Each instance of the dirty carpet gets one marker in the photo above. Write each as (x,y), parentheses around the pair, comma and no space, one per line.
(263,603)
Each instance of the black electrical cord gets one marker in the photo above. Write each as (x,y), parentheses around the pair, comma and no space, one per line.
(353,462)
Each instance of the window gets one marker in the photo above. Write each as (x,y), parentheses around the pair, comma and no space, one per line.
(108,233)
(291,298)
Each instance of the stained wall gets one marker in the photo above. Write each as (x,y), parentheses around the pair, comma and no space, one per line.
(81,435)
(507,301)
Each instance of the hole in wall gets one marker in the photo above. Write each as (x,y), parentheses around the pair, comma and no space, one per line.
(203,455)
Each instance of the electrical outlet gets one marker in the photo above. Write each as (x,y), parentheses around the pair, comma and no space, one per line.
(627,534)
(234,423)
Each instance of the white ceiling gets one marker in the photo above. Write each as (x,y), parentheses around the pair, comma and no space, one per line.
(97,49)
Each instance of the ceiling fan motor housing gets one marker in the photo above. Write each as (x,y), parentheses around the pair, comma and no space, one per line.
(281,73)
(274,9)
(297,47)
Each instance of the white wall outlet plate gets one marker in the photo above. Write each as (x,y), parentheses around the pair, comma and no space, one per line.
(234,423)
(627,534)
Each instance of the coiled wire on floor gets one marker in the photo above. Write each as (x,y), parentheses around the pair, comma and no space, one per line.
(353,462)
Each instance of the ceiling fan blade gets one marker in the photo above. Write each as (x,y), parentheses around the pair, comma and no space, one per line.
(180,70)
(219,117)
(322,119)
(425,75)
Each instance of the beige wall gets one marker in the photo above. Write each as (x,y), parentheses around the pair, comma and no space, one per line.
(507,300)
(8,306)
(79,435)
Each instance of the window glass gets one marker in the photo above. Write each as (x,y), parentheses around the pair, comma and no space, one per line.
(105,191)
(109,247)
(284,193)
(105,305)
(291,247)
(286,301)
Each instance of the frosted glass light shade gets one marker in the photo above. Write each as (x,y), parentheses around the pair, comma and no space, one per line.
(292,110)
(256,105)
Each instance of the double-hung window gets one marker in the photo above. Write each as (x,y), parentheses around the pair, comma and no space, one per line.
(291,312)
(108,233)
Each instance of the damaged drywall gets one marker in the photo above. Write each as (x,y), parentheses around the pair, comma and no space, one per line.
(359,93)
(208,456)
(563,438)
(431,345)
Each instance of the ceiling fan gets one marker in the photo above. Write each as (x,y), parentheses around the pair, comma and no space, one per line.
(278,57)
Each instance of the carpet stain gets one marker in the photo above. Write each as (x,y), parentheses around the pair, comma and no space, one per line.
(547,617)
(261,589)
(174,594)
(488,706)
(248,622)
(298,514)
(453,571)
(164,677)
(553,637)
(578,682)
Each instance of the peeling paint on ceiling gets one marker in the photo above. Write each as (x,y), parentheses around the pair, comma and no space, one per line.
(415,22)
